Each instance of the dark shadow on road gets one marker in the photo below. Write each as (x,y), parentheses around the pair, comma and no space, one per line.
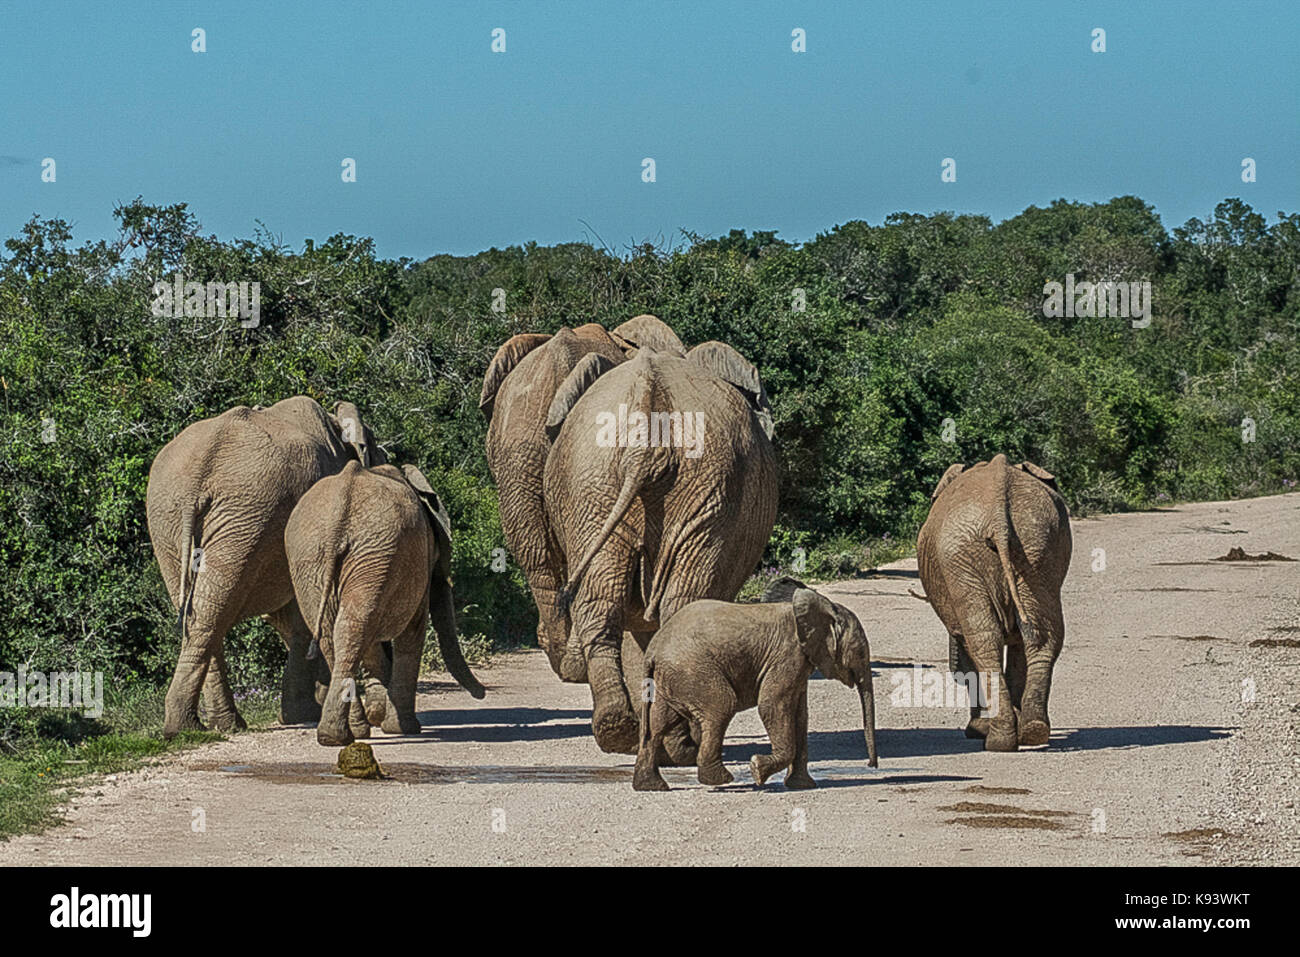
(891,743)
(1100,739)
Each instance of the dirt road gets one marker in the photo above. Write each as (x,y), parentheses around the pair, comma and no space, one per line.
(1176,720)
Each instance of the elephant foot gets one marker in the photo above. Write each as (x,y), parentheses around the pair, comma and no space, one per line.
(333,737)
(646,777)
(185,722)
(617,731)
(228,721)
(715,775)
(1034,732)
(359,731)
(376,710)
(799,782)
(1000,740)
(977,728)
(396,724)
(758,772)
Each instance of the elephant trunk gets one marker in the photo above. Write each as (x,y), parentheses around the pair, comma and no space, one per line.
(868,695)
(443,611)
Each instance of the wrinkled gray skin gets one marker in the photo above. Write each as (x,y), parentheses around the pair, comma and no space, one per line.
(715,659)
(226,485)
(518,388)
(369,554)
(639,533)
(992,556)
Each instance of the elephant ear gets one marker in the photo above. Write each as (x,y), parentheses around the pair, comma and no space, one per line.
(814,618)
(728,364)
(948,476)
(1044,476)
(647,332)
(438,516)
(782,589)
(589,368)
(506,358)
(356,434)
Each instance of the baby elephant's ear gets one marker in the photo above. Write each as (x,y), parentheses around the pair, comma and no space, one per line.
(814,618)
(437,514)
(1044,476)
(948,476)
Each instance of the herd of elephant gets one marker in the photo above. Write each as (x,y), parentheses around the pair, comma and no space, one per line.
(634,552)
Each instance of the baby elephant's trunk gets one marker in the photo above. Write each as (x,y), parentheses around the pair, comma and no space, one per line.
(868,695)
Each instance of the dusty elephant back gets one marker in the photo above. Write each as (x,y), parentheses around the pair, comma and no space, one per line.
(362,533)
(240,474)
(690,510)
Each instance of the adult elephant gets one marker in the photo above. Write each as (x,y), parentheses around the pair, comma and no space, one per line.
(219,496)
(660,489)
(992,556)
(518,388)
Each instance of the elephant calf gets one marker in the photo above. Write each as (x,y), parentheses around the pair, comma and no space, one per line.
(370,557)
(714,658)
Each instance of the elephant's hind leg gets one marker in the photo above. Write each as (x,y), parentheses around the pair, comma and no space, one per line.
(986,651)
(713,728)
(206,628)
(598,630)
(399,716)
(335,727)
(1035,727)
(218,701)
(961,665)
(646,777)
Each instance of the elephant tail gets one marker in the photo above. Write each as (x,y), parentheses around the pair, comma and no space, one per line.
(647,698)
(626,496)
(1001,542)
(189,513)
(328,610)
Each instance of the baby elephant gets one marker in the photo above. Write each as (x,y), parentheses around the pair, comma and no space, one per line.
(715,658)
(370,557)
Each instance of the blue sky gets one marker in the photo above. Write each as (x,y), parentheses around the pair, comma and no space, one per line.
(459,149)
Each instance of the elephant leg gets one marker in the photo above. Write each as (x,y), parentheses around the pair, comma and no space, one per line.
(1041,657)
(713,728)
(960,664)
(677,749)
(798,776)
(598,628)
(646,777)
(985,648)
(781,721)
(204,633)
(298,704)
(1016,668)
(358,723)
(219,702)
(376,674)
(399,717)
(348,639)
